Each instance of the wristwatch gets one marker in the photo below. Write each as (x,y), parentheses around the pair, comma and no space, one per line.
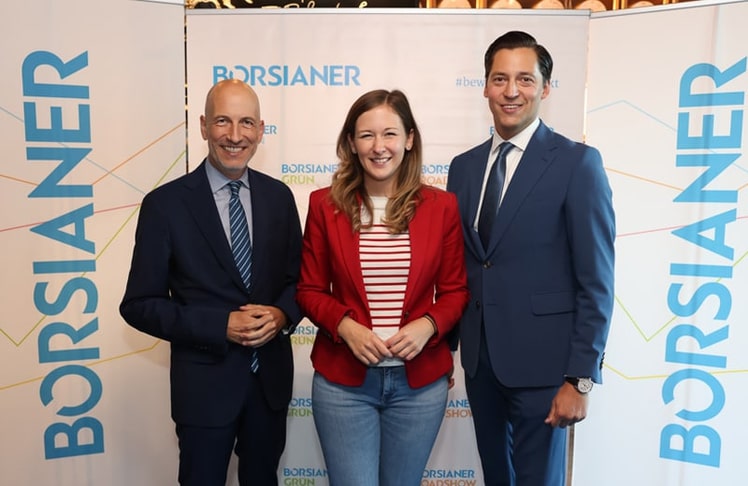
(583,385)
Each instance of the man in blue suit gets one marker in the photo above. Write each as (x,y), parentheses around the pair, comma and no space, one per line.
(228,323)
(539,237)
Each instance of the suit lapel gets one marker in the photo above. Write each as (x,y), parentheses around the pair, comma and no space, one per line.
(473,195)
(200,202)
(348,243)
(264,222)
(420,235)
(534,163)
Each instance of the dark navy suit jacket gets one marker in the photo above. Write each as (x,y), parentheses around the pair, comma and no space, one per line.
(544,285)
(183,284)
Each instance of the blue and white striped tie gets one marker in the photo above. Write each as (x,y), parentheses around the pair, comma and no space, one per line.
(241,246)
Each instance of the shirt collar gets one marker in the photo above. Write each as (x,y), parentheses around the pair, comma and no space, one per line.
(520,140)
(217,180)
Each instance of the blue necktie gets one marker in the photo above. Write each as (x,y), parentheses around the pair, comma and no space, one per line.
(241,246)
(492,195)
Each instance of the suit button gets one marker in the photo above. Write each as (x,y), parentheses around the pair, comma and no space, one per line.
(487,264)
(477,304)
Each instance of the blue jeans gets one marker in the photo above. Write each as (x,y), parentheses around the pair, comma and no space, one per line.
(380,433)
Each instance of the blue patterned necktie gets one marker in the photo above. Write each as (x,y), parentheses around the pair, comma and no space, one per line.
(492,195)
(241,246)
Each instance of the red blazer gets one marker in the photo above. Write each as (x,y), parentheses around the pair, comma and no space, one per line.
(331,284)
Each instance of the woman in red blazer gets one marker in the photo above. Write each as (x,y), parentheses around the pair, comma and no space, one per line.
(383,278)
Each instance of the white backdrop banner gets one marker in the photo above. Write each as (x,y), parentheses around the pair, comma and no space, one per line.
(308,67)
(667,109)
(91,118)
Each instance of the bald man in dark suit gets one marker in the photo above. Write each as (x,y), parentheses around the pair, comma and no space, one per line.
(231,359)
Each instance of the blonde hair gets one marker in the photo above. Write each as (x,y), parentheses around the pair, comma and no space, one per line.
(347,190)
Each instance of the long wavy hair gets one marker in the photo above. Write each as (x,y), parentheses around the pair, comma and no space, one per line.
(347,190)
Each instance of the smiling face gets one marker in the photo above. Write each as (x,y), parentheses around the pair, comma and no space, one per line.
(380,141)
(514,89)
(232,127)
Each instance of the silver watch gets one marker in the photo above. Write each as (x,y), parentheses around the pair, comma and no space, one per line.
(583,385)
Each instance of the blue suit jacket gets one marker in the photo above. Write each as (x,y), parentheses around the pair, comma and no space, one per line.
(544,285)
(183,283)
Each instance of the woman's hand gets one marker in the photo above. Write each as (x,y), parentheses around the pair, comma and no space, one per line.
(366,346)
(409,341)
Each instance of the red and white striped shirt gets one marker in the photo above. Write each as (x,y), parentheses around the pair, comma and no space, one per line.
(385,264)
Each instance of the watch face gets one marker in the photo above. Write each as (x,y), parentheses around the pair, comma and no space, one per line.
(584,385)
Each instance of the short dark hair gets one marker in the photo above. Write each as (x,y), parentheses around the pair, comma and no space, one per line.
(516,39)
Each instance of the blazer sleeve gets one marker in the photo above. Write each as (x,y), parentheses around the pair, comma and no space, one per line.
(285,299)
(591,223)
(451,290)
(149,304)
(314,291)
